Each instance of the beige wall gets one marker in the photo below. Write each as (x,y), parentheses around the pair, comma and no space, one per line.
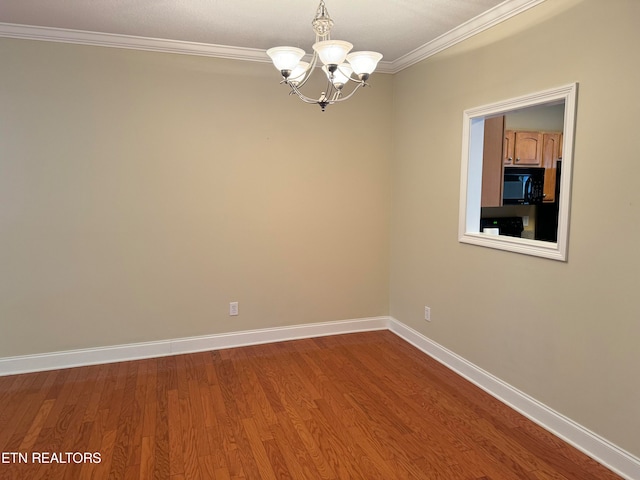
(565,333)
(142,192)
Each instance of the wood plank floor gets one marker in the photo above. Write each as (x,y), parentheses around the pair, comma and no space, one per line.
(357,406)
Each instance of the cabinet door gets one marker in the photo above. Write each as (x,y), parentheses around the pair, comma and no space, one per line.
(507,147)
(560,146)
(528,148)
(492,162)
(550,153)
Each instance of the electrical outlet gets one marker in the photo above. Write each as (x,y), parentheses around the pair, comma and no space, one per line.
(427,314)
(233,309)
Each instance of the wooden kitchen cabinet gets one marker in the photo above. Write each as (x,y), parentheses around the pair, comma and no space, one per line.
(508,147)
(560,146)
(517,148)
(492,172)
(551,152)
(522,148)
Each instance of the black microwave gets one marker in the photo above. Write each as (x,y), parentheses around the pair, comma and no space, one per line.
(523,186)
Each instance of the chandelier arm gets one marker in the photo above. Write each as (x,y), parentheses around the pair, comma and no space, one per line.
(347,97)
(331,89)
(301,95)
(314,59)
(349,77)
(329,98)
(357,80)
(312,65)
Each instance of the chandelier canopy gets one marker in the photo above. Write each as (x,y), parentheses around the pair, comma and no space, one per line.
(339,66)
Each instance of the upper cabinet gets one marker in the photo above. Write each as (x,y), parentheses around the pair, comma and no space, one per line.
(516,148)
(522,148)
(508,147)
(551,153)
(534,149)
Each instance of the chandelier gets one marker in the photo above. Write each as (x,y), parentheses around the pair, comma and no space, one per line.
(340,66)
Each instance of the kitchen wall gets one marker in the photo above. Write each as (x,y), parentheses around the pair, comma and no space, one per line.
(548,118)
(141,192)
(564,333)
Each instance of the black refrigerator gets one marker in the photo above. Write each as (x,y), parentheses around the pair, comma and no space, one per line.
(547,214)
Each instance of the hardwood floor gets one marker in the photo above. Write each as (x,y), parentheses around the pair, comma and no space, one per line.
(358,406)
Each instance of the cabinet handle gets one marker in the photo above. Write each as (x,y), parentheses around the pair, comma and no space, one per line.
(517,160)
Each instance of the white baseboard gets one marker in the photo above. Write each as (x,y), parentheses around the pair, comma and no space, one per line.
(161,348)
(598,448)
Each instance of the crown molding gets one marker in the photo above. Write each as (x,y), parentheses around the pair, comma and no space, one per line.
(494,16)
(82,37)
(500,13)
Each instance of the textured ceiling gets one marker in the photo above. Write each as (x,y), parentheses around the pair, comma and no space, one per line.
(395,27)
